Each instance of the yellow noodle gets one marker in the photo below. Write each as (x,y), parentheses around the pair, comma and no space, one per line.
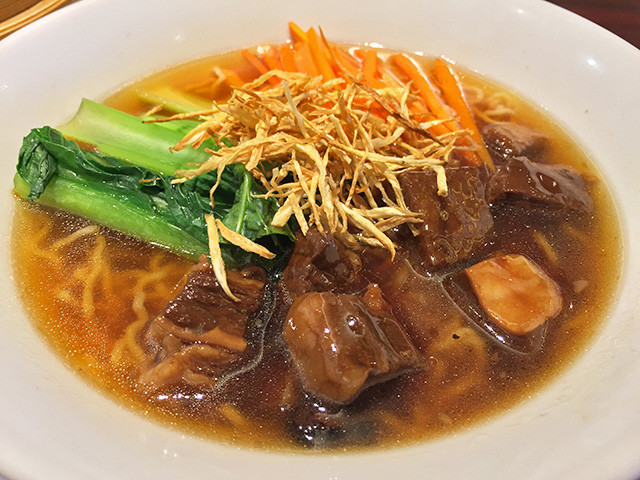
(67,297)
(545,246)
(396,423)
(33,242)
(233,415)
(129,341)
(99,264)
(575,233)
(466,339)
(88,230)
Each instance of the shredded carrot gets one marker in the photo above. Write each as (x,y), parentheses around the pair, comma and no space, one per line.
(419,79)
(255,62)
(258,65)
(270,58)
(304,60)
(370,69)
(232,78)
(387,76)
(347,63)
(452,93)
(287,58)
(297,34)
(331,58)
(421,83)
(369,126)
(319,56)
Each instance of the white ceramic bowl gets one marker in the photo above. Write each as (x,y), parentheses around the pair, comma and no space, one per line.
(585,424)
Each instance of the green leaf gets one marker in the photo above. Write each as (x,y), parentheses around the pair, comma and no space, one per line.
(136,201)
(126,137)
(174,100)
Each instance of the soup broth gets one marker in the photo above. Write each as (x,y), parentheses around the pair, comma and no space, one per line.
(90,291)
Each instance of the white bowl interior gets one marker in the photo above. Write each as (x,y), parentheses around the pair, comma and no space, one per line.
(583,425)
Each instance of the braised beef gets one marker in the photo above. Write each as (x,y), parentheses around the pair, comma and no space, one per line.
(510,140)
(454,225)
(201,330)
(419,302)
(340,344)
(556,186)
(320,263)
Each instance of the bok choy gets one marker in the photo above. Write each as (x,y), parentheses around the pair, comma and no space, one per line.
(127,186)
(128,138)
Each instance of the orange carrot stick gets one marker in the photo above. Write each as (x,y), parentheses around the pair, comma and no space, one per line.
(371,68)
(370,65)
(452,92)
(319,57)
(304,60)
(232,78)
(419,79)
(421,83)
(255,62)
(287,58)
(387,76)
(331,58)
(348,64)
(270,58)
(297,34)
(258,65)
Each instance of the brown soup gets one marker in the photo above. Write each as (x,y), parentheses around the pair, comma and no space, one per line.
(89,294)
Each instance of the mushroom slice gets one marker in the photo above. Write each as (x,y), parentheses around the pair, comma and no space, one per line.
(515,292)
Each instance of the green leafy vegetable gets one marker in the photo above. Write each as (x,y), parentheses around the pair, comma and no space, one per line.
(181,126)
(174,100)
(135,200)
(128,138)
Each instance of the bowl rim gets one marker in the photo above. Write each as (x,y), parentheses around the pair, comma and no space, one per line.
(578,43)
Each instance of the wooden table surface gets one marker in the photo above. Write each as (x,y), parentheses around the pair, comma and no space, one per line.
(622,17)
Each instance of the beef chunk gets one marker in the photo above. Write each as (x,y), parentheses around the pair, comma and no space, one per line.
(510,140)
(418,301)
(320,263)
(554,186)
(340,344)
(455,225)
(202,329)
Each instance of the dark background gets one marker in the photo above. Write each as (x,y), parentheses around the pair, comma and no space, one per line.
(621,17)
